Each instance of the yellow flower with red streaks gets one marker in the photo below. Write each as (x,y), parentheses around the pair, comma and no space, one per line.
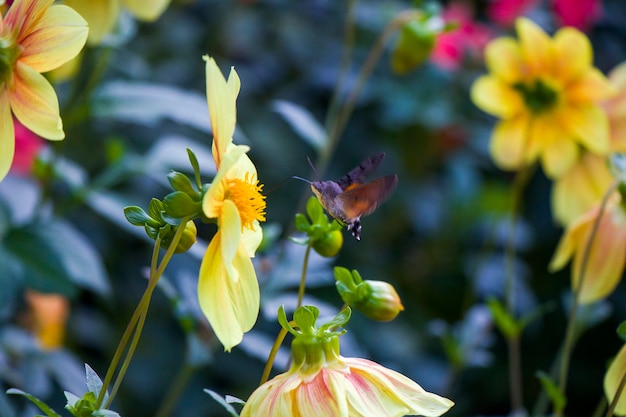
(35,37)
(588,180)
(612,380)
(547,94)
(607,253)
(102,15)
(228,290)
(322,383)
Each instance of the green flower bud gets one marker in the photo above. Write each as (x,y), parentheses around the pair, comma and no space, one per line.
(186,241)
(329,244)
(381,301)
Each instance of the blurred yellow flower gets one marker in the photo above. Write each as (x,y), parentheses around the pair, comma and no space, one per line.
(35,37)
(102,15)
(547,93)
(49,312)
(588,180)
(612,380)
(228,290)
(607,255)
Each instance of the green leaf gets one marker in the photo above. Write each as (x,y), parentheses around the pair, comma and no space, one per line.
(554,393)
(314,209)
(506,323)
(193,160)
(136,216)
(303,123)
(55,257)
(42,406)
(223,402)
(621,331)
(302,223)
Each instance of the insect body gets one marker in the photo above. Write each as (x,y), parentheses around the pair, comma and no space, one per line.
(348,199)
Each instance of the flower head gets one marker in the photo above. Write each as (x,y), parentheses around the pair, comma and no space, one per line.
(547,94)
(50,312)
(102,15)
(228,290)
(606,255)
(322,383)
(35,37)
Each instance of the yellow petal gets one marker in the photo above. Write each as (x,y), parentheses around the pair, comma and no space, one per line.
(148,10)
(7,135)
(230,231)
(559,152)
(536,46)
(222,99)
(606,259)
(592,86)
(571,240)
(588,124)
(612,380)
(495,97)
(582,187)
(211,204)
(503,58)
(251,238)
(509,143)
(35,104)
(56,38)
(22,15)
(324,396)
(101,14)
(572,54)
(231,304)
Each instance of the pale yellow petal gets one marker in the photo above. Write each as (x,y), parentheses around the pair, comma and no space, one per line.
(231,304)
(570,241)
(57,38)
(7,135)
(503,58)
(582,187)
(251,238)
(35,104)
(592,86)
(101,15)
(230,228)
(589,125)
(559,152)
(222,107)
(212,201)
(324,396)
(495,97)
(536,46)
(572,54)
(22,15)
(605,265)
(612,380)
(509,143)
(148,10)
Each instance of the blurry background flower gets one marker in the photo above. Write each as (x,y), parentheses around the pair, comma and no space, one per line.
(27,146)
(49,316)
(577,13)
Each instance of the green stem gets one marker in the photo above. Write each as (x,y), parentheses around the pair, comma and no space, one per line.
(272,355)
(570,333)
(618,394)
(305,265)
(176,389)
(135,324)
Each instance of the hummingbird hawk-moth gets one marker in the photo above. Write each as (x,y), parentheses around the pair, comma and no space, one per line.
(349,198)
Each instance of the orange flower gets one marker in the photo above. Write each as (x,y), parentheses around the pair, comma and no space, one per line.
(607,255)
(50,313)
(35,37)
(547,93)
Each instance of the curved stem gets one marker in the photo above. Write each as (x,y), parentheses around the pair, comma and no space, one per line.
(176,389)
(272,355)
(570,333)
(305,265)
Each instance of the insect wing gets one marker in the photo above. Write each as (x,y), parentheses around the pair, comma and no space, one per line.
(358,174)
(364,199)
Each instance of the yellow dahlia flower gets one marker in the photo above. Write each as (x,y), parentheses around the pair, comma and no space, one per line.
(102,15)
(228,290)
(35,37)
(322,383)
(607,255)
(546,93)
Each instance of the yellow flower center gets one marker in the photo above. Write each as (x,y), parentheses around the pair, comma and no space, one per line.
(539,96)
(246,194)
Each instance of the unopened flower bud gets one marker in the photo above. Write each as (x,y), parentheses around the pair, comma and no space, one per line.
(380,301)
(329,244)
(186,241)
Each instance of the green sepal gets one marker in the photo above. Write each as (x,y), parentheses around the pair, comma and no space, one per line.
(340,320)
(302,223)
(180,182)
(179,204)
(305,317)
(137,216)
(557,398)
(155,209)
(42,405)
(196,167)
(621,331)
(314,210)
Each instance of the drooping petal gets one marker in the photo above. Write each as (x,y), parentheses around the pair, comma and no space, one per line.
(231,304)
(230,228)
(509,143)
(222,107)
(274,398)
(496,97)
(323,396)
(35,104)
(251,238)
(605,264)
(582,187)
(612,380)
(57,38)
(148,10)
(503,58)
(536,47)
(7,135)
(589,125)
(571,239)
(102,16)
(572,54)
(591,86)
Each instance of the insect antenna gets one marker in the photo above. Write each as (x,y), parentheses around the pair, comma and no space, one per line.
(295,177)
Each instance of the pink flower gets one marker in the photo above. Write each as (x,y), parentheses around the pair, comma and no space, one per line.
(27,147)
(504,12)
(469,38)
(577,13)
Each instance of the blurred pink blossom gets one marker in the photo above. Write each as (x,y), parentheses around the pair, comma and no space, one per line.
(27,147)
(577,13)
(469,38)
(504,12)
